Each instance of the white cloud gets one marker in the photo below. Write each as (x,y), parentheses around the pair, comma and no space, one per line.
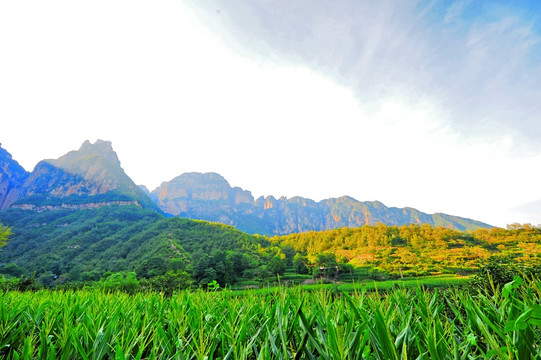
(323,114)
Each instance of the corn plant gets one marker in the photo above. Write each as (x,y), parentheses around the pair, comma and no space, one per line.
(403,323)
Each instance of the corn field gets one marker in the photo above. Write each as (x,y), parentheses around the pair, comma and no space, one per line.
(285,324)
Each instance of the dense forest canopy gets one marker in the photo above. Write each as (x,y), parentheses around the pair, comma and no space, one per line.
(85,245)
(419,249)
(5,232)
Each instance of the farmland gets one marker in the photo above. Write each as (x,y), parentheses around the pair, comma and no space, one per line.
(453,323)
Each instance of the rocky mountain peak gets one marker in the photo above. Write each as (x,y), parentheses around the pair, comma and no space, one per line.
(202,179)
(193,185)
(4,154)
(102,148)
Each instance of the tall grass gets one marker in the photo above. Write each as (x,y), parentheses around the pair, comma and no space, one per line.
(284,324)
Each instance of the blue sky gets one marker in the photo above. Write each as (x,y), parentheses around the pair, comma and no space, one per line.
(433,105)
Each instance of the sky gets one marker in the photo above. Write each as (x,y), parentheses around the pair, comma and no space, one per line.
(432,105)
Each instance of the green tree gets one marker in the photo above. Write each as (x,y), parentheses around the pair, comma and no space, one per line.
(238,262)
(12,269)
(126,282)
(152,267)
(327,264)
(289,252)
(277,265)
(171,281)
(300,262)
(5,233)
(177,264)
(201,265)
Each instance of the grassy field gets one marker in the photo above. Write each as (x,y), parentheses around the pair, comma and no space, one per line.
(403,323)
(429,282)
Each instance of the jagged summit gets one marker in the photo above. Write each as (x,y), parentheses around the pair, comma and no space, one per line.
(102,148)
(88,152)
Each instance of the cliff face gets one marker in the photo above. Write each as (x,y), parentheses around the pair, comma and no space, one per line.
(210,197)
(12,179)
(86,206)
(207,192)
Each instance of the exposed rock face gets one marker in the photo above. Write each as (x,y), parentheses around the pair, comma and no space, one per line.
(12,179)
(90,205)
(100,147)
(210,197)
(177,195)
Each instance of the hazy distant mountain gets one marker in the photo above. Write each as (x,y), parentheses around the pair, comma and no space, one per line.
(89,177)
(12,179)
(210,197)
(145,189)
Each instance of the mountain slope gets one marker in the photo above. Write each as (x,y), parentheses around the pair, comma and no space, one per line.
(210,197)
(90,175)
(12,179)
(84,244)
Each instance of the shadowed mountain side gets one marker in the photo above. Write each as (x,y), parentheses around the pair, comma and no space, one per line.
(12,179)
(210,197)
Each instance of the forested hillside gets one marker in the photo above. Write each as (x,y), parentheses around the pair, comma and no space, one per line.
(417,249)
(83,245)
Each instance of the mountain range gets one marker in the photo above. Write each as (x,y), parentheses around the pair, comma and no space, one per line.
(92,177)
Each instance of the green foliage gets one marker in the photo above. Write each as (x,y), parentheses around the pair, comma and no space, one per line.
(84,241)
(170,282)
(417,250)
(300,263)
(12,269)
(282,324)
(19,284)
(5,233)
(151,267)
(126,282)
(83,245)
(213,286)
(495,273)
(276,266)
